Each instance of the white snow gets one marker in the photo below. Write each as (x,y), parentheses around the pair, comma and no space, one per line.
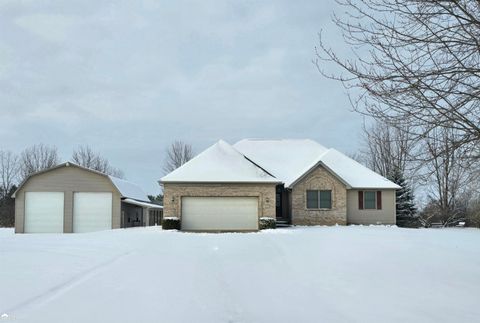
(289,159)
(219,163)
(286,159)
(128,189)
(317,274)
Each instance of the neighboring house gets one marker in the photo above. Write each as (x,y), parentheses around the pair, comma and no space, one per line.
(300,182)
(70,198)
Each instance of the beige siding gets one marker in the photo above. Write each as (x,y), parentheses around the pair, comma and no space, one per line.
(387,215)
(319,179)
(174,192)
(68,180)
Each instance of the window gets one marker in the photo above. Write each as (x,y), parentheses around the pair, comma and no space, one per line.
(325,199)
(312,199)
(319,199)
(370,200)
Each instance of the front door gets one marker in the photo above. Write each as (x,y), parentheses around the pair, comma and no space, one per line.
(278,201)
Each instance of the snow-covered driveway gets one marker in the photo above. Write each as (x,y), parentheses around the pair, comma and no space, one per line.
(321,274)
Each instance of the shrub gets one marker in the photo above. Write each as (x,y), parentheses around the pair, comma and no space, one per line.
(171,223)
(408,222)
(267,223)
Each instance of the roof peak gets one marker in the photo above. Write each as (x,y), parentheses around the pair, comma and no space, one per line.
(221,162)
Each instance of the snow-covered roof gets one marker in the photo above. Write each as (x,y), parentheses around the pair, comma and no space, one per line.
(128,189)
(286,159)
(289,160)
(220,163)
(352,173)
(143,204)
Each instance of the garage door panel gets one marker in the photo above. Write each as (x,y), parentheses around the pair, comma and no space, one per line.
(92,211)
(44,212)
(219,213)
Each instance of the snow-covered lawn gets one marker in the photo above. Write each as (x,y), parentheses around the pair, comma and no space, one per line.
(320,274)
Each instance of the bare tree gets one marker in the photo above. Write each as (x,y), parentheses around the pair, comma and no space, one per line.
(416,60)
(388,148)
(86,157)
(450,175)
(36,158)
(178,154)
(9,170)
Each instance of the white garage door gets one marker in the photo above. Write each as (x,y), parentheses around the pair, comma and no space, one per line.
(44,212)
(92,212)
(219,213)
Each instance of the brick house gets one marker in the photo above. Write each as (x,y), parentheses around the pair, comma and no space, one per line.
(299,182)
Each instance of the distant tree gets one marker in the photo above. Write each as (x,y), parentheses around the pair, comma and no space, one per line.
(86,157)
(473,213)
(178,154)
(157,199)
(9,171)
(36,158)
(388,148)
(450,174)
(405,206)
(7,209)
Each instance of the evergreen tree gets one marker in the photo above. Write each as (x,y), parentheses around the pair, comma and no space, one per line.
(406,210)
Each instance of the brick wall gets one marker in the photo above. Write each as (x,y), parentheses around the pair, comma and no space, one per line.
(173,193)
(319,179)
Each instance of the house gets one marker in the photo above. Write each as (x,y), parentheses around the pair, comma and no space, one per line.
(69,198)
(300,182)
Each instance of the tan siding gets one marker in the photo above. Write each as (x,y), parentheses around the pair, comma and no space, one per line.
(387,215)
(174,192)
(68,180)
(319,179)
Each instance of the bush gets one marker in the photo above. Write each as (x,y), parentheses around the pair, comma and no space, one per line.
(172,223)
(267,223)
(408,222)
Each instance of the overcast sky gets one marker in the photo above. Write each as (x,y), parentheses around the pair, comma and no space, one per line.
(129,77)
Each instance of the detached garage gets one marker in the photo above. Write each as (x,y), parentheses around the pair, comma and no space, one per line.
(70,198)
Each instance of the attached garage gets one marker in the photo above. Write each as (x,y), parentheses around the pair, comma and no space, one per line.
(219,190)
(219,213)
(44,212)
(69,198)
(92,211)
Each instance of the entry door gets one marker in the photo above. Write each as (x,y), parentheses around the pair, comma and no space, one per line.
(92,212)
(219,213)
(44,212)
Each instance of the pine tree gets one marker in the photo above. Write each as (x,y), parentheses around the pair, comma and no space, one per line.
(406,210)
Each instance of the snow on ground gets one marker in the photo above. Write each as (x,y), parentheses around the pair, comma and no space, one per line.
(317,274)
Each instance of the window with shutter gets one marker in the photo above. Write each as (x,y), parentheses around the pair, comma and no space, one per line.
(370,202)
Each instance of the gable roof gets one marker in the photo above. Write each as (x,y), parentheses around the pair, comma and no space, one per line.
(220,163)
(286,159)
(125,188)
(290,160)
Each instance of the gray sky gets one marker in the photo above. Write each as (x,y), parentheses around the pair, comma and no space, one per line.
(129,77)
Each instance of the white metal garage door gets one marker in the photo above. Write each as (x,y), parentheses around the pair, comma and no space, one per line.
(219,213)
(44,212)
(92,212)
